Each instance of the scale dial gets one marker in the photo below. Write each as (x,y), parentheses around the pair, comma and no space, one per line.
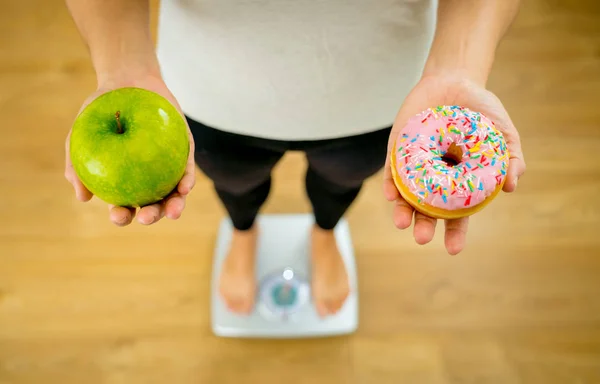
(283,294)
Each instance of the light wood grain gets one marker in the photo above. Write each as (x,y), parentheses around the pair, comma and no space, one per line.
(82,301)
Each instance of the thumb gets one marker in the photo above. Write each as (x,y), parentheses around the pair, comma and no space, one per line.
(498,114)
(414,103)
(516,164)
(389,188)
(81,192)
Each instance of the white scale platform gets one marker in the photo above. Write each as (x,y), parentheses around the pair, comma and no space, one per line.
(284,306)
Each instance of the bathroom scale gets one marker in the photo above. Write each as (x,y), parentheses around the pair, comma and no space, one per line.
(283,306)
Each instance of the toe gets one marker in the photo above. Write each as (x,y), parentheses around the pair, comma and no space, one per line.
(247,305)
(321,308)
(234,304)
(332,306)
(335,305)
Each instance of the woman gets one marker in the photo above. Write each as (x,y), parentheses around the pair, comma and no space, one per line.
(257,78)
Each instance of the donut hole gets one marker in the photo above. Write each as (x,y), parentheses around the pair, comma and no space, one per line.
(453,155)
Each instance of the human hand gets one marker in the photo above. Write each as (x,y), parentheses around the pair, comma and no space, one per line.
(171,206)
(433,91)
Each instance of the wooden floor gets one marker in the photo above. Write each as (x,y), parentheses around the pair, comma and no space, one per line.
(82,301)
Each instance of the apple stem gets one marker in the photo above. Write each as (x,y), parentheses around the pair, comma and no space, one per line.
(119,125)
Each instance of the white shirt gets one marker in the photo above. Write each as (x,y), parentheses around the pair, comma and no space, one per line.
(294,69)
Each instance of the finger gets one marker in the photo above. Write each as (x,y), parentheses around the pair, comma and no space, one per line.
(150,214)
(424,228)
(413,103)
(174,206)
(403,214)
(516,169)
(188,181)
(390,190)
(189,178)
(516,165)
(121,216)
(456,235)
(81,192)
(389,187)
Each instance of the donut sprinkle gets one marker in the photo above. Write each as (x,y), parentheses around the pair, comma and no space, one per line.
(451,157)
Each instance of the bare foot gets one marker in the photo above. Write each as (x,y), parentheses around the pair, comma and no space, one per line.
(237,282)
(329,282)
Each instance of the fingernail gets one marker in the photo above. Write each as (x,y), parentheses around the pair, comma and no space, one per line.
(515,181)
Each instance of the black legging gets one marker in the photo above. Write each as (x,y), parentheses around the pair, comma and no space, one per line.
(240,168)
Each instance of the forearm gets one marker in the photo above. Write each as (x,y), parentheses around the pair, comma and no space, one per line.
(117,34)
(466,37)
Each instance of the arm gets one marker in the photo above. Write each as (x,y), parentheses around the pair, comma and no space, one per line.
(456,71)
(117,34)
(466,37)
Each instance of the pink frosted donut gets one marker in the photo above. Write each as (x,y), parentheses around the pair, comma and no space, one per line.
(449,162)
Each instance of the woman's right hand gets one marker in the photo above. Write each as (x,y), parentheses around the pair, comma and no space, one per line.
(171,206)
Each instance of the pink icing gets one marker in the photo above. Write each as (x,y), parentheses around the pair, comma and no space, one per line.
(425,139)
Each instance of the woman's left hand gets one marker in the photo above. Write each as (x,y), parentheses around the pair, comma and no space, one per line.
(430,92)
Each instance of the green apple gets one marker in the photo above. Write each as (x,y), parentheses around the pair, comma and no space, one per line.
(129,147)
